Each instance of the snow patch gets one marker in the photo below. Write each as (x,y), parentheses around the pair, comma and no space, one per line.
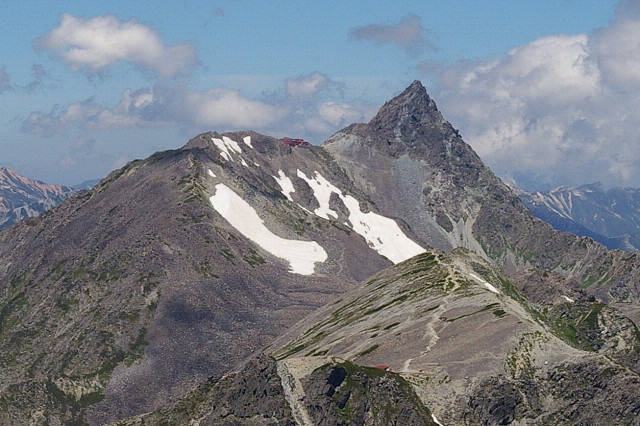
(435,420)
(486,284)
(286,184)
(322,190)
(233,145)
(211,173)
(568,299)
(227,146)
(224,151)
(381,233)
(301,255)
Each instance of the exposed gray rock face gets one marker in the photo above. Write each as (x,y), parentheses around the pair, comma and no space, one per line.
(414,165)
(250,396)
(21,197)
(345,394)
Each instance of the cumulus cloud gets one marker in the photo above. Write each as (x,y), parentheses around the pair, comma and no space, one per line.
(132,110)
(559,110)
(408,34)
(225,107)
(307,85)
(297,109)
(313,109)
(95,44)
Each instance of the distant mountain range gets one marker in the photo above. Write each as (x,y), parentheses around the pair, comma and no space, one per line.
(609,216)
(21,197)
(385,277)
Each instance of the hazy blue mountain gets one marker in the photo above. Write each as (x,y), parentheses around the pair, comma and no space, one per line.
(21,197)
(609,216)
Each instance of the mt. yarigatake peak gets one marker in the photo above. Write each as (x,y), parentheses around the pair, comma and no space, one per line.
(174,270)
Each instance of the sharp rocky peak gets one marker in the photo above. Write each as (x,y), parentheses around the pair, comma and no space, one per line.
(411,123)
(410,110)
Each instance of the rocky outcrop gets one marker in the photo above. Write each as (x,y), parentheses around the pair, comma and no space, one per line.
(336,393)
(346,394)
(251,396)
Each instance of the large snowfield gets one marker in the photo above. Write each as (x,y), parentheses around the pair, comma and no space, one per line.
(301,255)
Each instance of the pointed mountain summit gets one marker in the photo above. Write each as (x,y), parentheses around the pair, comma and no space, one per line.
(415,165)
(411,115)
(412,105)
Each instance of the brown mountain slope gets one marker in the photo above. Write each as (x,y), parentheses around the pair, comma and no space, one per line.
(463,346)
(140,284)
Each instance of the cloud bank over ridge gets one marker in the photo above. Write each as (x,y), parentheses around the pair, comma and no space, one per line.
(562,109)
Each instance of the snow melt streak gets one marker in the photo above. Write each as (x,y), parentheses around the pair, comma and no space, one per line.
(381,233)
(486,284)
(301,255)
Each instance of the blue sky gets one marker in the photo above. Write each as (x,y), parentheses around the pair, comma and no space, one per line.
(545,91)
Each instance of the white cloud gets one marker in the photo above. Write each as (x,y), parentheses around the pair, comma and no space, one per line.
(297,109)
(340,113)
(213,108)
(97,43)
(225,107)
(130,111)
(407,33)
(617,49)
(559,110)
(307,85)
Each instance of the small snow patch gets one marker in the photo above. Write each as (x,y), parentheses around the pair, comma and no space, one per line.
(486,284)
(247,141)
(219,143)
(286,184)
(568,299)
(301,255)
(322,190)
(211,173)
(435,420)
(227,146)
(233,145)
